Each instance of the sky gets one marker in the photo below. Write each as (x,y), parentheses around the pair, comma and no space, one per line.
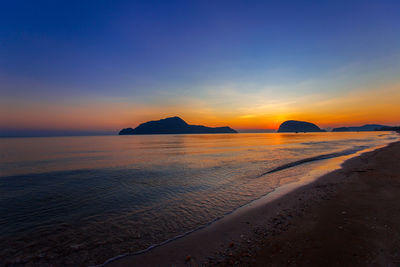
(99,66)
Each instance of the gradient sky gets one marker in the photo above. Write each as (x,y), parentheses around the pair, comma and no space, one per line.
(104,65)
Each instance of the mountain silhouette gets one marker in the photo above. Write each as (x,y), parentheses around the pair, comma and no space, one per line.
(364,128)
(292,126)
(173,125)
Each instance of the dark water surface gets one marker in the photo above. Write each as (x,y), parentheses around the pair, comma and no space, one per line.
(82,200)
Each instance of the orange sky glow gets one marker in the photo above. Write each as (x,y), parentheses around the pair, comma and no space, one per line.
(357,107)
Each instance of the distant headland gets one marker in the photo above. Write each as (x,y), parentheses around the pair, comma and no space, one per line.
(364,128)
(292,126)
(173,125)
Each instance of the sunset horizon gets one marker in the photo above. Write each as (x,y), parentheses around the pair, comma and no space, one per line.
(200,133)
(375,113)
(246,66)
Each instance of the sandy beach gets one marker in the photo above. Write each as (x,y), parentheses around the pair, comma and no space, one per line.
(349,217)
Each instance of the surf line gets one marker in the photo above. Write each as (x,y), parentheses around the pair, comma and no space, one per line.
(315,158)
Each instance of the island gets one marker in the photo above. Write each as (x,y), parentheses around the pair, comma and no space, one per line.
(364,128)
(293,126)
(173,125)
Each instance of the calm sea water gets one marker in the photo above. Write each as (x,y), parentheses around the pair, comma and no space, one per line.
(82,200)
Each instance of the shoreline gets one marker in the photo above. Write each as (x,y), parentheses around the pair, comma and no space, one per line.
(334,163)
(217,242)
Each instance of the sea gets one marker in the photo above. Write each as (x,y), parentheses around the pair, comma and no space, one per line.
(79,201)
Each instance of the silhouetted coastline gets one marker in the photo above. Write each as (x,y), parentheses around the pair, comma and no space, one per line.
(364,128)
(173,125)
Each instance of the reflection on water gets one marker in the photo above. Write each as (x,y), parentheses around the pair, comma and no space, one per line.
(81,200)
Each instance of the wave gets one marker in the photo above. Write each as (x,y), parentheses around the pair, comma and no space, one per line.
(316,158)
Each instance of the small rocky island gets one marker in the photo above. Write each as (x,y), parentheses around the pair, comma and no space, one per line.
(173,125)
(292,126)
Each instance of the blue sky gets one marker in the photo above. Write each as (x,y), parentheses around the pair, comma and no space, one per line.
(147,59)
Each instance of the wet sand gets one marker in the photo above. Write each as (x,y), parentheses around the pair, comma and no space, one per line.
(349,217)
